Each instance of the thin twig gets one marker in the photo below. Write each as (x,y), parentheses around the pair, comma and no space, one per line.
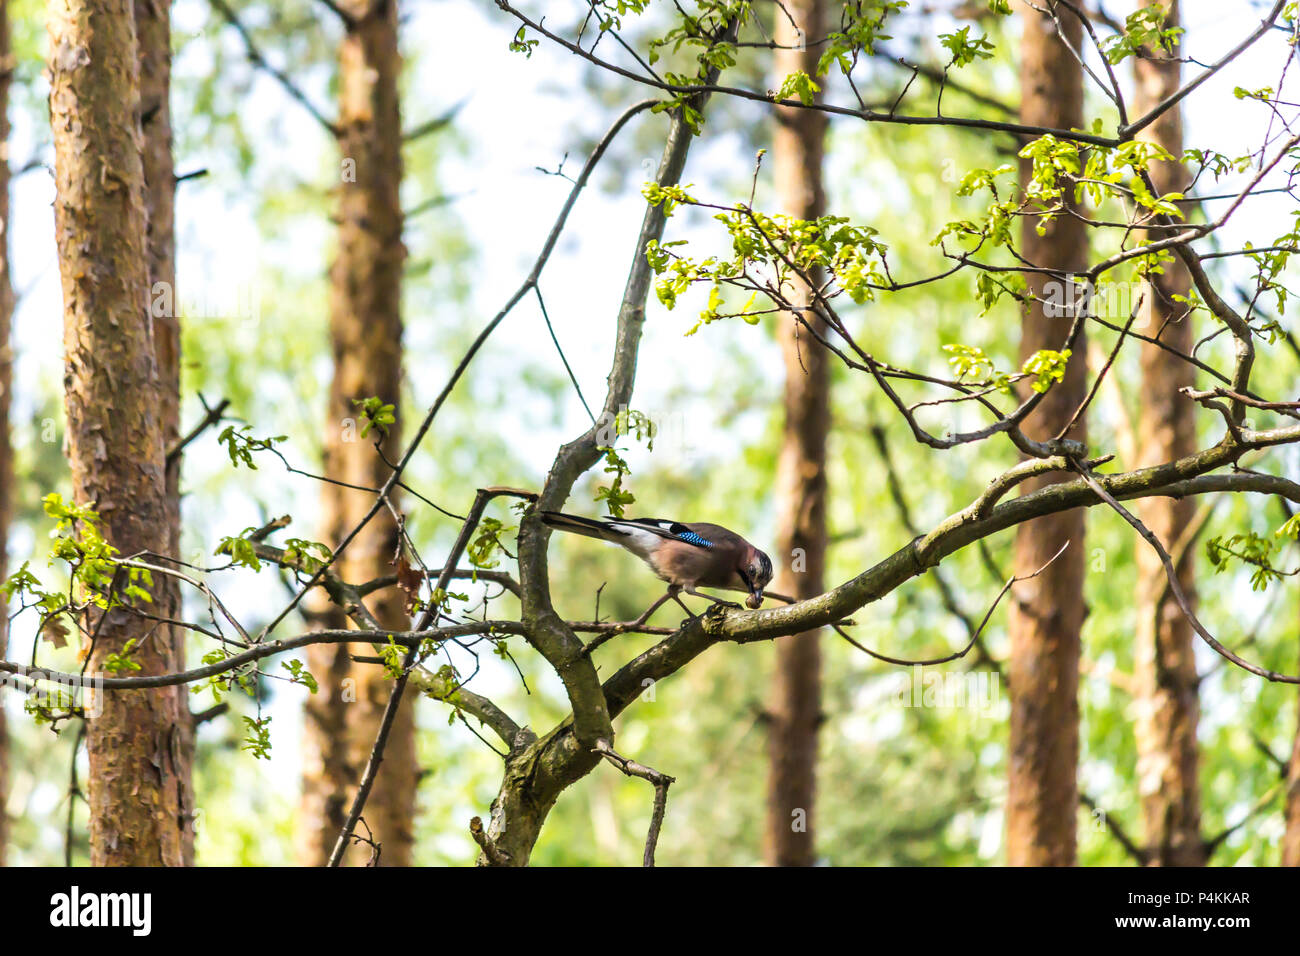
(1139,855)
(257,59)
(661,783)
(974,637)
(426,618)
(1176,587)
(74,792)
(212,416)
(494,854)
(534,276)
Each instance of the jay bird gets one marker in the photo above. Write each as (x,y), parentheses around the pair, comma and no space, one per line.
(687,556)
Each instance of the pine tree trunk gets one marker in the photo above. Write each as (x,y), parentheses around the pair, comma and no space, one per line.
(153,36)
(1291,836)
(1165,666)
(1045,618)
(6,388)
(794,712)
(366,334)
(115,433)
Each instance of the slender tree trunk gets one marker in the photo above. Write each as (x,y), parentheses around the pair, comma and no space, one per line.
(1291,836)
(115,434)
(1045,619)
(6,389)
(794,712)
(1165,666)
(153,35)
(366,333)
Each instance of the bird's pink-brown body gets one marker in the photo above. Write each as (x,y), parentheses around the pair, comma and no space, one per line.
(686,555)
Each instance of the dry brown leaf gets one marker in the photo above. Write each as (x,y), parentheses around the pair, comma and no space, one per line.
(409,580)
(55,632)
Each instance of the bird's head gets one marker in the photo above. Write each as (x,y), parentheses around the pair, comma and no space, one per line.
(756,572)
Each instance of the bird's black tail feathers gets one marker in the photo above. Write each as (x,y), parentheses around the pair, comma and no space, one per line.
(576,524)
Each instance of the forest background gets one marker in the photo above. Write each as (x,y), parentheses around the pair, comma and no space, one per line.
(901,785)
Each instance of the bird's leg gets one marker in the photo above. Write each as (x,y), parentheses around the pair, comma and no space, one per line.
(645,616)
(710,597)
(673,591)
(623,628)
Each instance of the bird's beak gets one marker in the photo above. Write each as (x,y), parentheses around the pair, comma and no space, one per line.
(755,600)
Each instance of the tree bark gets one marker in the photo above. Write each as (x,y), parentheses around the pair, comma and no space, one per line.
(115,432)
(366,336)
(1291,836)
(1165,665)
(794,711)
(1047,614)
(6,388)
(153,37)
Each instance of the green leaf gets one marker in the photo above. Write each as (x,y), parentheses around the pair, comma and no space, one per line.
(799,85)
(258,740)
(521,44)
(482,549)
(964,50)
(1047,366)
(378,415)
(300,675)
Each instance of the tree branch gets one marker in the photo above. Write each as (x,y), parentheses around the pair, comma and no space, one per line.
(1139,855)
(1176,587)
(871,116)
(1180,478)
(660,781)
(1142,122)
(212,416)
(257,59)
(427,617)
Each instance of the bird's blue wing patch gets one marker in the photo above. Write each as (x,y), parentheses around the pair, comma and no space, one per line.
(665,529)
(690,537)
